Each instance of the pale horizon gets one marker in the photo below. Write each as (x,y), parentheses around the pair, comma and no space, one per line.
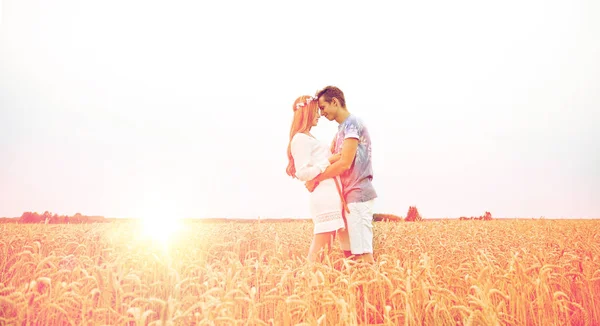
(133,109)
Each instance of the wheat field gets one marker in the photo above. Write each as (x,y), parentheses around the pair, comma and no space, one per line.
(500,272)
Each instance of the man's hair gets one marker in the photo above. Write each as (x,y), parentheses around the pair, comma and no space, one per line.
(330,92)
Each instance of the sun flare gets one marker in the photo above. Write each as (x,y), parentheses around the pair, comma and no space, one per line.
(160,228)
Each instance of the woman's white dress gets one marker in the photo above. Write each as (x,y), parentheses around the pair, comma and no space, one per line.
(311,157)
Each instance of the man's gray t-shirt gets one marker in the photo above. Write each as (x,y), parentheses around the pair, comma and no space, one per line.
(356,181)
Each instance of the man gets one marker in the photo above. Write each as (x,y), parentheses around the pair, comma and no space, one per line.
(353,144)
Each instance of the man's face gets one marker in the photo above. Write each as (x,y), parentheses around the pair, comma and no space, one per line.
(328,110)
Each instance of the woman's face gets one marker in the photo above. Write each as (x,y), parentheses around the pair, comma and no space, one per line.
(316,117)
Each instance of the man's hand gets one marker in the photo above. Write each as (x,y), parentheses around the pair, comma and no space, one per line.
(334,158)
(311,185)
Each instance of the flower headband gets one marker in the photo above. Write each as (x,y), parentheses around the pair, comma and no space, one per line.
(307,102)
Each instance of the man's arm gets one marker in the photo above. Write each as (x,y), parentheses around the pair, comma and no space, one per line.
(348,153)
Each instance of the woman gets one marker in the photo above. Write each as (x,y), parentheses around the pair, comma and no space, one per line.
(308,157)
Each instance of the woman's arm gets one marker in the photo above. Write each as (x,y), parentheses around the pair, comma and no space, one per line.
(301,152)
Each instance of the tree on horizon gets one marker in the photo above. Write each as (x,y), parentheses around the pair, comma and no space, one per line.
(413,215)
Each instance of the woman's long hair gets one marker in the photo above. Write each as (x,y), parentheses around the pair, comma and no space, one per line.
(305,111)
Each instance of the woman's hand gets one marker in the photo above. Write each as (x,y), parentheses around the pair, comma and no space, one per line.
(311,184)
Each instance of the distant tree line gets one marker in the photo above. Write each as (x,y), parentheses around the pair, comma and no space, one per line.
(49,218)
(377,217)
(485,217)
(413,216)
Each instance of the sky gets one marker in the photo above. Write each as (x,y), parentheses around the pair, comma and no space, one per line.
(183,109)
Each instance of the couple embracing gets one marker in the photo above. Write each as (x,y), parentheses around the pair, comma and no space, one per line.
(338,178)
